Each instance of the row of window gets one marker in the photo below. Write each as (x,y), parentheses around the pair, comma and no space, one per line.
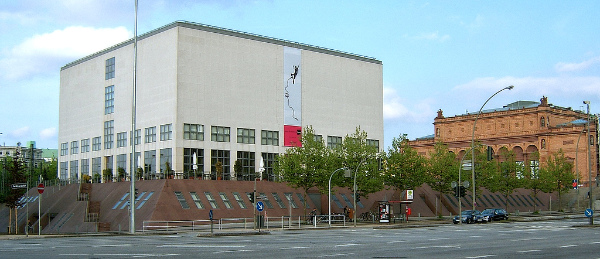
(193,164)
(166,133)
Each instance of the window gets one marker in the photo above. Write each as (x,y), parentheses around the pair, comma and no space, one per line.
(188,162)
(109,99)
(145,200)
(269,160)
(85,145)
(96,166)
(269,137)
(247,161)
(223,157)
(219,134)
(64,170)
(193,132)
(74,147)
(211,200)
(109,71)
(150,135)
(373,142)
(278,200)
(85,167)
(290,197)
(302,201)
(348,201)
(181,200)
(225,200)
(137,138)
(319,138)
(245,136)
(166,133)
(96,144)
(265,200)
(64,149)
(149,162)
(121,139)
(197,200)
(74,169)
(109,131)
(122,162)
(240,201)
(334,142)
(165,157)
(336,201)
(542,122)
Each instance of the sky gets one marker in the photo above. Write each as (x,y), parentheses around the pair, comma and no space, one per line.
(448,55)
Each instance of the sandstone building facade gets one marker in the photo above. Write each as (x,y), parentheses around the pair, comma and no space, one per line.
(524,127)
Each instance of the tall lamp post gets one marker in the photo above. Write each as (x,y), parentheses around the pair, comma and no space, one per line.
(473,140)
(355,208)
(589,148)
(133,122)
(330,191)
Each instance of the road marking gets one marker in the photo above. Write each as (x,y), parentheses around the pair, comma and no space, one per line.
(347,245)
(529,251)
(565,246)
(295,247)
(481,256)
(528,239)
(399,241)
(427,247)
(336,255)
(203,246)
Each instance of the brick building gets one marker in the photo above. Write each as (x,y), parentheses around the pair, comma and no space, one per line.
(524,127)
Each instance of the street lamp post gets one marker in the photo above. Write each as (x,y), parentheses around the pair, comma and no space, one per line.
(589,160)
(355,208)
(473,140)
(330,191)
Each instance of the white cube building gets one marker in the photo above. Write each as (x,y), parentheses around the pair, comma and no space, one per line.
(207,95)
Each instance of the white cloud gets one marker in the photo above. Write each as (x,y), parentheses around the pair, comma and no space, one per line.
(434,36)
(47,52)
(395,108)
(20,133)
(570,67)
(49,133)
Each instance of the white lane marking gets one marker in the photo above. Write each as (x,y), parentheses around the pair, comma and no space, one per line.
(336,255)
(344,245)
(565,246)
(399,241)
(481,256)
(203,246)
(295,247)
(529,251)
(426,247)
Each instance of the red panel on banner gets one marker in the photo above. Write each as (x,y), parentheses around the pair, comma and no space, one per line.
(292,136)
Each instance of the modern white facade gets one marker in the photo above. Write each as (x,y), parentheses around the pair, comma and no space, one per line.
(221,94)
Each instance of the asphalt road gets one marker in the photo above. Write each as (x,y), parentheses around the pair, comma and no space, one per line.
(540,239)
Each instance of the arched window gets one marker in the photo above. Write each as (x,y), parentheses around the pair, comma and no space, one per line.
(542,122)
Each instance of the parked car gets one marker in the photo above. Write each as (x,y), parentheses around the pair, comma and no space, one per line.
(489,215)
(468,216)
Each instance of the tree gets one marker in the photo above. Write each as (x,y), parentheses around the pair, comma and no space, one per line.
(560,173)
(121,173)
(362,159)
(403,167)
(107,174)
(16,174)
(442,169)
(168,170)
(537,181)
(507,177)
(305,166)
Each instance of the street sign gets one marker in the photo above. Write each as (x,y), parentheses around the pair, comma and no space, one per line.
(41,188)
(589,213)
(409,194)
(19,186)
(260,206)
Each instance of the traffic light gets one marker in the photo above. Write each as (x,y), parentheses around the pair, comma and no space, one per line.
(462,191)
(490,153)
(251,196)
(457,191)
(136,193)
(357,197)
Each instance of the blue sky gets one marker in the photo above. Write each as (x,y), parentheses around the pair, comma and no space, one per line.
(449,55)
